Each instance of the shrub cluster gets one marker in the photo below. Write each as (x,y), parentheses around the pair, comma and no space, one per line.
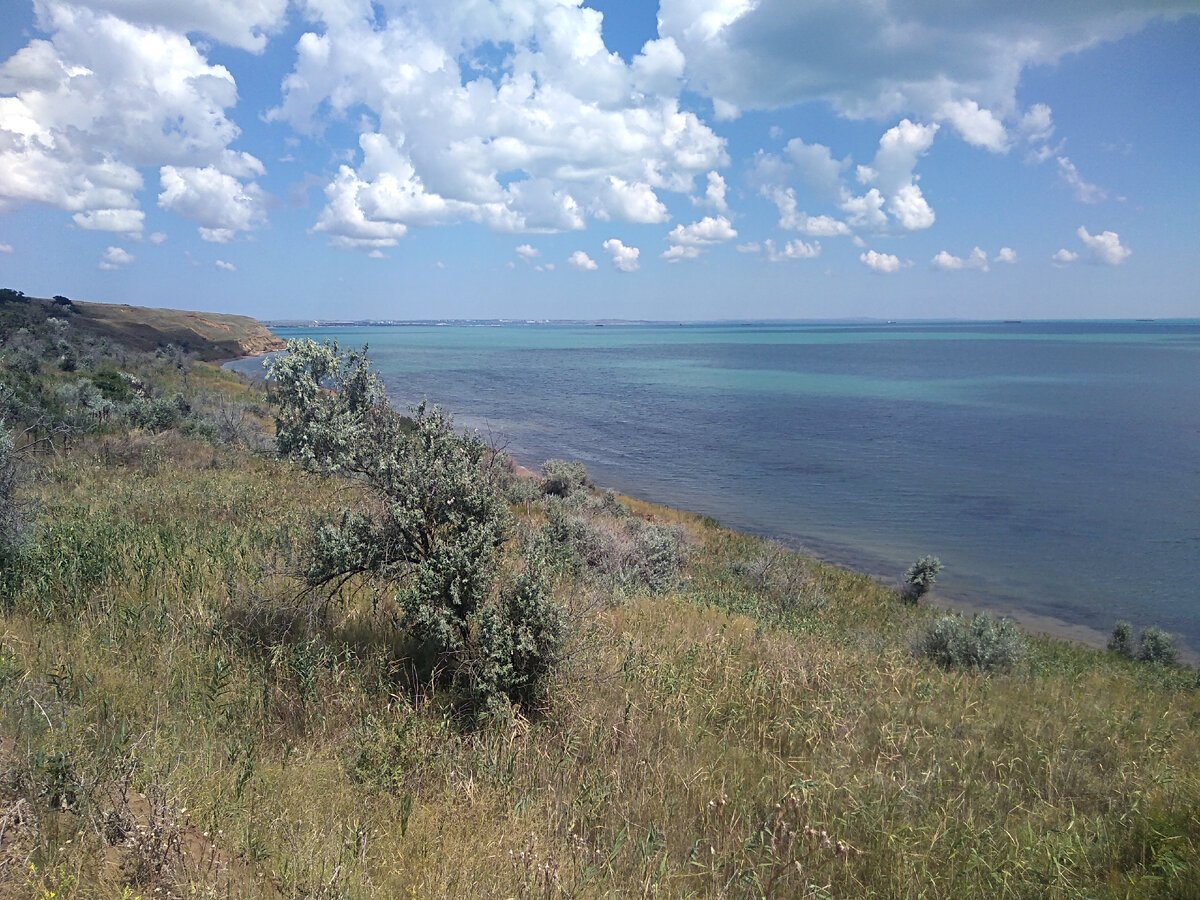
(1155,645)
(984,643)
(587,539)
(62,382)
(434,528)
(563,478)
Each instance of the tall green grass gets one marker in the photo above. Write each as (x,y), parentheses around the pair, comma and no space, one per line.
(178,715)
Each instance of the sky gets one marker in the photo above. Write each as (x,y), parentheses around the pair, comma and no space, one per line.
(691,159)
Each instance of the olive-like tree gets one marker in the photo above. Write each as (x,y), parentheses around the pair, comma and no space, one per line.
(435,522)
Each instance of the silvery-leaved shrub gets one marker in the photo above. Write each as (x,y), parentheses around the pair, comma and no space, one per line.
(331,406)
(1157,646)
(920,577)
(437,521)
(984,643)
(660,555)
(1154,645)
(562,478)
(520,640)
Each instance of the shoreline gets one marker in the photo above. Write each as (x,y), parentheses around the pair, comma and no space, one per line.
(228,361)
(1030,621)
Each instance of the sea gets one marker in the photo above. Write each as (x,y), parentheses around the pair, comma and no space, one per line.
(1053,467)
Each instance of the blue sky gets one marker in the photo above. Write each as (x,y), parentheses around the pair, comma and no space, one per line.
(694,159)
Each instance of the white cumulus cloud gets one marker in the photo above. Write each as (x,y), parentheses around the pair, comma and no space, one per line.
(792,219)
(1064,257)
(631,202)
(225,266)
(1037,124)
(881,263)
(865,211)
(687,241)
(899,149)
(976,259)
(245,24)
(582,261)
(677,252)
(112,90)
(714,193)
(6,248)
(709,230)
(910,208)
(890,179)
(977,126)
(528,251)
(1005,255)
(219,203)
(121,221)
(115,258)
(883,58)
(624,258)
(796,249)
(1105,248)
(554,130)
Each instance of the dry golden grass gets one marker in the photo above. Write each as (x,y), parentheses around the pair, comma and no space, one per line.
(764,730)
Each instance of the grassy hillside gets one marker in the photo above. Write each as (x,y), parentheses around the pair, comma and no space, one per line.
(208,336)
(182,718)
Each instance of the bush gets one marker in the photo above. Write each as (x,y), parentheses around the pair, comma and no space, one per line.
(229,422)
(626,550)
(609,504)
(333,412)
(562,478)
(113,385)
(437,521)
(1157,646)
(1122,639)
(659,555)
(83,405)
(68,358)
(985,643)
(574,541)
(783,576)
(159,414)
(520,640)
(920,577)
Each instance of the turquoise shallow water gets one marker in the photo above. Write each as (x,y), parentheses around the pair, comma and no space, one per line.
(1054,467)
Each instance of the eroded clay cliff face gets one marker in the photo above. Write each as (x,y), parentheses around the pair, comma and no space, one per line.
(263,342)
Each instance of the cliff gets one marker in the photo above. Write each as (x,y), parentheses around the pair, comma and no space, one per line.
(209,336)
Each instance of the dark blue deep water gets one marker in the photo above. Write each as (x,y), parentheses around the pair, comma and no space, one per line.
(1053,466)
